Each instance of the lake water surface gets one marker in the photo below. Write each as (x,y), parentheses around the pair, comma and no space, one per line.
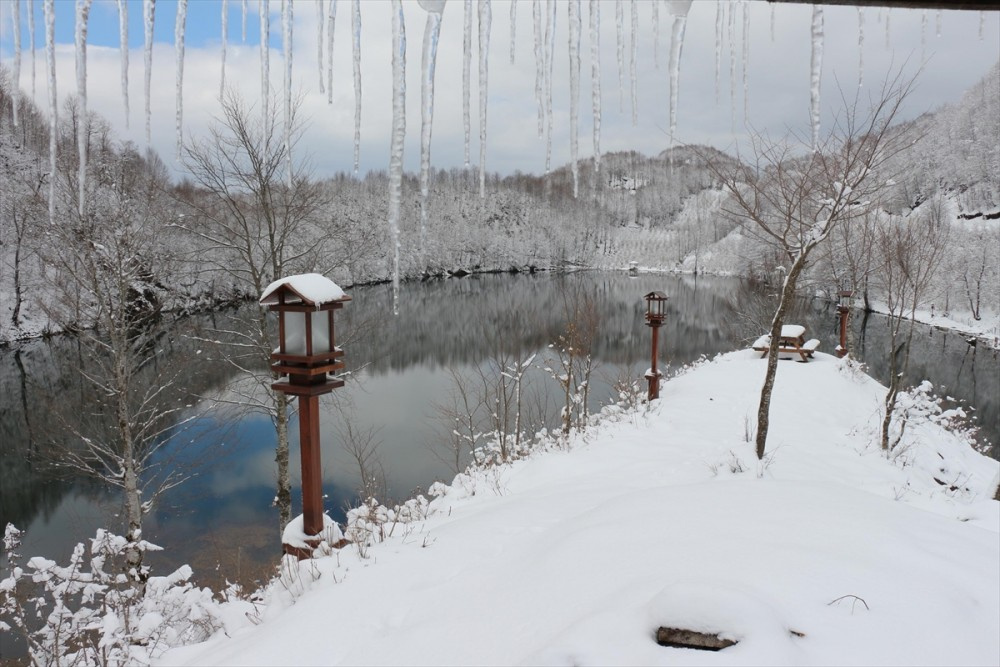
(221,520)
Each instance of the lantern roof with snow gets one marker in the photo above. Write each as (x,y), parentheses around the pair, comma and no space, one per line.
(656,296)
(310,289)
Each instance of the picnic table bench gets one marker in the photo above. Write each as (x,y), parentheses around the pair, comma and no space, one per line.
(792,342)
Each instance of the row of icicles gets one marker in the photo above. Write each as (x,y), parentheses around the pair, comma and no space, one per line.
(544,19)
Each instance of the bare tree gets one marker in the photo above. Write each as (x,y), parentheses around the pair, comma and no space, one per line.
(258,218)
(909,254)
(105,266)
(793,202)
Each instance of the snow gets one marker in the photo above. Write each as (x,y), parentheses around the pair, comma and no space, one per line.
(295,534)
(825,553)
(311,287)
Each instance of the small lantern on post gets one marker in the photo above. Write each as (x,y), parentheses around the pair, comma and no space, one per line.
(656,315)
(844,309)
(307,354)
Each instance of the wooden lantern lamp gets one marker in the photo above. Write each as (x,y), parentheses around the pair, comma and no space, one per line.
(656,315)
(308,356)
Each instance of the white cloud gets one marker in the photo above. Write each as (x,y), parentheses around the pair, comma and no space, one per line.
(778,79)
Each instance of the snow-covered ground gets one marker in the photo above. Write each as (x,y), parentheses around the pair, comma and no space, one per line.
(827,553)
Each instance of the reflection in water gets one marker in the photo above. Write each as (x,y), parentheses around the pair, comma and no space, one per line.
(223,515)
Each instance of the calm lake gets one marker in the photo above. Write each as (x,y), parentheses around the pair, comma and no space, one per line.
(221,520)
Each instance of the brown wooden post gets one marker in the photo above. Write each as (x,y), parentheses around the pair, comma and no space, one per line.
(842,348)
(654,376)
(312,479)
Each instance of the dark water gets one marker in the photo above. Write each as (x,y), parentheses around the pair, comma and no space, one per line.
(221,520)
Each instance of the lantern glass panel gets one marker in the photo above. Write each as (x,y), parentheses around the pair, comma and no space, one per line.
(295,333)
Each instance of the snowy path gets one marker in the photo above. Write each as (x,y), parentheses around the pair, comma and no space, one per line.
(577,557)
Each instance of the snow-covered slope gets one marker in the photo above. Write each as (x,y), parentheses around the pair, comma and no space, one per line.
(827,553)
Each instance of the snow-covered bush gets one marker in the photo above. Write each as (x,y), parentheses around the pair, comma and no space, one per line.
(89,612)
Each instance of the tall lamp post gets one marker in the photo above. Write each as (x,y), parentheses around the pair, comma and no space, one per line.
(307,354)
(656,315)
(844,309)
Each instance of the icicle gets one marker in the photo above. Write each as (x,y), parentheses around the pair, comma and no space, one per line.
(745,9)
(817,70)
(398,136)
(718,45)
(485,21)
(536,15)
(620,33)
(225,38)
(50,62)
(550,51)
(16,17)
(772,21)
(148,19)
(286,43)
(123,50)
(513,29)
(331,24)
(861,46)
(595,78)
(356,48)
(937,19)
(179,27)
(923,35)
(432,34)
(982,24)
(574,91)
(243,18)
(656,34)
(679,10)
(83,129)
(732,64)
(634,44)
(320,16)
(264,12)
(467,78)
(31,43)
(888,15)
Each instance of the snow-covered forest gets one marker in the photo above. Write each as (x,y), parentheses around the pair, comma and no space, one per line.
(663,212)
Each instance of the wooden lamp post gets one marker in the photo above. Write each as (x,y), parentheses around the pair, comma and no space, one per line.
(308,356)
(656,315)
(844,309)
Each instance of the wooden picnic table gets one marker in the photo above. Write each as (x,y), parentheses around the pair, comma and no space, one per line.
(793,341)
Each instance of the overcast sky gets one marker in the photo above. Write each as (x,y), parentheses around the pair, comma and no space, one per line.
(957,48)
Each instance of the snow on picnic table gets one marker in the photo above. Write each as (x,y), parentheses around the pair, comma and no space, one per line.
(828,554)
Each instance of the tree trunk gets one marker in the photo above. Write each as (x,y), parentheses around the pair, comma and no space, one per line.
(283,497)
(764,409)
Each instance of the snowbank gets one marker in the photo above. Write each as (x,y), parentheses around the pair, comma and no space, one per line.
(828,552)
